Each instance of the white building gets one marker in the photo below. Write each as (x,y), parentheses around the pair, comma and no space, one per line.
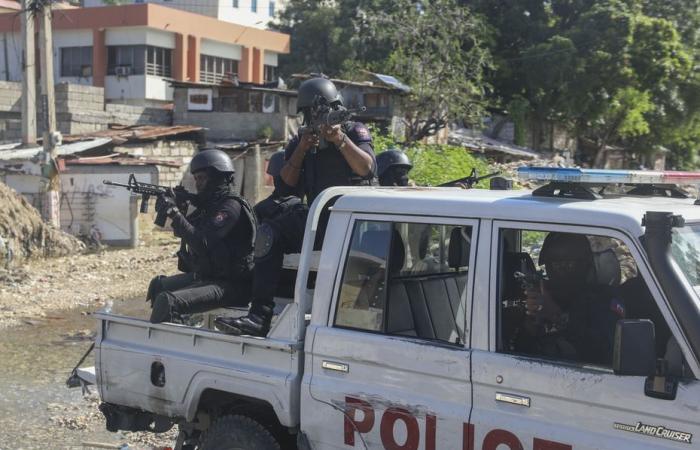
(251,13)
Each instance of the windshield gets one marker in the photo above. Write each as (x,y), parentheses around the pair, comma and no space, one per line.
(685,250)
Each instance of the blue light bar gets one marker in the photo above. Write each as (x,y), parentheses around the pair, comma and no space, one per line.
(601,176)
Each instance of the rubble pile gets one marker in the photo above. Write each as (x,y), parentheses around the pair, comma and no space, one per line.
(23,235)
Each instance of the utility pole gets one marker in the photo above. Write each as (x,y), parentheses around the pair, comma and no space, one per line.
(28,76)
(51,200)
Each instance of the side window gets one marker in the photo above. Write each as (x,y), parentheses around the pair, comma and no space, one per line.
(362,298)
(561,295)
(407,279)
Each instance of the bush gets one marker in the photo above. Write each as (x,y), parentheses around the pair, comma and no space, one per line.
(436,164)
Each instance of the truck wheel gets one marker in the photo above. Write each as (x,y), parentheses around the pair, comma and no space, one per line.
(238,432)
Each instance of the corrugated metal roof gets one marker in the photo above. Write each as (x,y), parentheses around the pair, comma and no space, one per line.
(119,135)
(10,153)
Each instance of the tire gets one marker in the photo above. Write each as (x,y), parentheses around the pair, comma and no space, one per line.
(237,432)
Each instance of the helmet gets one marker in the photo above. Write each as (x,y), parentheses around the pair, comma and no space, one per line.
(392,158)
(315,91)
(215,159)
(274,165)
(571,246)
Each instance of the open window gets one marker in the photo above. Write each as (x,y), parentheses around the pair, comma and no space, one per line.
(407,279)
(561,295)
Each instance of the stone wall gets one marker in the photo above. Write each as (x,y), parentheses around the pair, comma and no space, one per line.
(79,109)
(178,152)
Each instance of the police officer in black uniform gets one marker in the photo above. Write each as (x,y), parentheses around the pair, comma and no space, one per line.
(392,168)
(279,202)
(341,155)
(574,316)
(216,251)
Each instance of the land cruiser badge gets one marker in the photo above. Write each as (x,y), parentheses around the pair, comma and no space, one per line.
(658,431)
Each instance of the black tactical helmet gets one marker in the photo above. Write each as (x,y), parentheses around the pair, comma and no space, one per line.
(315,91)
(566,246)
(274,165)
(215,159)
(392,158)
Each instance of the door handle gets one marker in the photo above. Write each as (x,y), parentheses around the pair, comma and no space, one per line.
(513,399)
(337,366)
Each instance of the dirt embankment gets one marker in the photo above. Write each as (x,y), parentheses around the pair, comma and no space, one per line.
(23,235)
(85,280)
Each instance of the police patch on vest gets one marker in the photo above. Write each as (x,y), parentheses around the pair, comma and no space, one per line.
(658,431)
(362,132)
(220,218)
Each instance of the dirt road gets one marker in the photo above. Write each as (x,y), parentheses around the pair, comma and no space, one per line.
(45,309)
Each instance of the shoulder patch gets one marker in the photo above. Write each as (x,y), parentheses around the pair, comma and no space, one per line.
(617,307)
(220,218)
(362,132)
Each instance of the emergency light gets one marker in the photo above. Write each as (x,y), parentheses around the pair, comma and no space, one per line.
(601,176)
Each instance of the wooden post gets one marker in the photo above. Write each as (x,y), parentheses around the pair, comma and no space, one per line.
(28,76)
(51,203)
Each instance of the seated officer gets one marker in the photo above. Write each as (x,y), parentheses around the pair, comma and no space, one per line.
(216,251)
(340,156)
(572,317)
(278,202)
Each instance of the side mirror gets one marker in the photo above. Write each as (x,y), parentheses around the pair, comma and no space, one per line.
(634,351)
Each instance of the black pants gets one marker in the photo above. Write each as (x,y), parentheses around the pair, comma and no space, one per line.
(185,294)
(276,237)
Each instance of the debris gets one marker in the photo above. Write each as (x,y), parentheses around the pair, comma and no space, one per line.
(24,235)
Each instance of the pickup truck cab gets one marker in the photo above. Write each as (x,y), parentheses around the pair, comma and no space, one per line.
(406,331)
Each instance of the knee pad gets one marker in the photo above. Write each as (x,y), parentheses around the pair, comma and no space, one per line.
(155,287)
(162,308)
(264,240)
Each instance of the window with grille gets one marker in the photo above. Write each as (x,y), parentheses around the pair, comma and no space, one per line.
(213,69)
(159,61)
(271,10)
(124,60)
(76,61)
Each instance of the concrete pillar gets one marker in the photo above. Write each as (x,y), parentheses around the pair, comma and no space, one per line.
(193,44)
(245,68)
(180,58)
(258,66)
(99,58)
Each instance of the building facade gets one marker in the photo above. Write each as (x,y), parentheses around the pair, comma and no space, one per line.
(135,51)
(251,13)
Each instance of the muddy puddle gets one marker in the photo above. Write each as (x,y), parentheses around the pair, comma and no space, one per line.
(37,410)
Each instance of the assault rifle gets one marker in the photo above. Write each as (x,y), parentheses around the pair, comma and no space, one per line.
(468,181)
(324,115)
(147,191)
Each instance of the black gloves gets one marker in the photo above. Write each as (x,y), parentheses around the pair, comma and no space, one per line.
(166,204)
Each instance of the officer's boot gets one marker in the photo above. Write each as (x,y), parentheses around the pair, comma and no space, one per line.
(256,323)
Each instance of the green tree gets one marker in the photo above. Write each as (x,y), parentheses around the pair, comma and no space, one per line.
(443,64)
(604,68)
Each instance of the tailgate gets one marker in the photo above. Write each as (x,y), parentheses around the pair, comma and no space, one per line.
(164,368)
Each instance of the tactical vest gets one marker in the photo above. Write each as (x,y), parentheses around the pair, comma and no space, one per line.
(326,167)
(241,260)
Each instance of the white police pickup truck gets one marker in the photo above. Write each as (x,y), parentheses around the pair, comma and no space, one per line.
(419,335)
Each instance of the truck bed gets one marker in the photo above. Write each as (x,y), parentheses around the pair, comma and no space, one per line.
(165,368)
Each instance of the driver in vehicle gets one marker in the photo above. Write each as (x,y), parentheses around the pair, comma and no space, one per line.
(571,315)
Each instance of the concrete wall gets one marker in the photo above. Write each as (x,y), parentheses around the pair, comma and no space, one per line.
(177,152)
(139,36)
(87,202)
(79,109)
(232,125)
(220,49)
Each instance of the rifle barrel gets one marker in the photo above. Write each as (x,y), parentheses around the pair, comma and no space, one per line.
(112,183)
